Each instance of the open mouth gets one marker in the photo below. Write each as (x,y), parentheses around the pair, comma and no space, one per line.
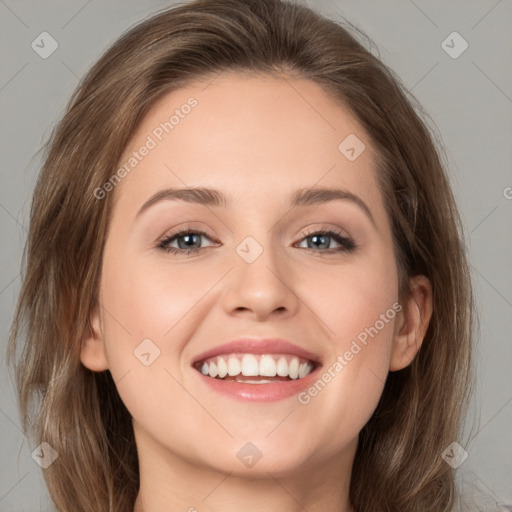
(256,368)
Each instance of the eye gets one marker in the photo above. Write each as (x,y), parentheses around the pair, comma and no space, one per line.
(187,240)
(322,239)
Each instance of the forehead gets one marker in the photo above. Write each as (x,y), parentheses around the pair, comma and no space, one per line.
(253,136)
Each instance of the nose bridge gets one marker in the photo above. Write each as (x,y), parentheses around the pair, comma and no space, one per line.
(259,281)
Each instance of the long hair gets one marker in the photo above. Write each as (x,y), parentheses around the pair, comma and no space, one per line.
(398,464)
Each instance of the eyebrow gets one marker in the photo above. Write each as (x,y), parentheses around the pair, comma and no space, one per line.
(213,197)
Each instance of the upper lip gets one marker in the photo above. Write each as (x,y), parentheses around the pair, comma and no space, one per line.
(258,346)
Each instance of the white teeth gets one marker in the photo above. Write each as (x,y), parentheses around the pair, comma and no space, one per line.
(294,368)
(222,367)
(303,370)
(234,366)
(250,366)
(213,370)
(268,367)
(282,367)
(261,381)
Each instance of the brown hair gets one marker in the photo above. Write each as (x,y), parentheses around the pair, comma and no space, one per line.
(398,464)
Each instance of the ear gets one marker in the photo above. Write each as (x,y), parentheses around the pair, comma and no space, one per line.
(93,354)
(412,323)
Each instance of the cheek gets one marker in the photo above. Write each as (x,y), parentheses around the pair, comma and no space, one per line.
(354,297)
(149,301)
(141,316)
(359,308)
(143,297)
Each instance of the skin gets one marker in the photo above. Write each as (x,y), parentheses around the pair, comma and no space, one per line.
(256,139)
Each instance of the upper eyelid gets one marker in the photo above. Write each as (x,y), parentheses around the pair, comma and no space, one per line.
(194,226)
(309,231)
(328,230)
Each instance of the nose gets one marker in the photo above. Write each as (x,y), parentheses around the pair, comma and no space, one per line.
(261,288)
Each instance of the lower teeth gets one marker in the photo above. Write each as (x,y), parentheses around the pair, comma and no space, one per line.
(254,380)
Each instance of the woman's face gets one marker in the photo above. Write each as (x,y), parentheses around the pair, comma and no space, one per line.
(264,269)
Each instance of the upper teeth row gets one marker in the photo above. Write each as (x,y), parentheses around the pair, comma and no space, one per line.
(249,365)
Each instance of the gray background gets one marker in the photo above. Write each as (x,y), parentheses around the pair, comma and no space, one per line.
(469,98)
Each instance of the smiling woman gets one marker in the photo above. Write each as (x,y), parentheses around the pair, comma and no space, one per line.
(271,308)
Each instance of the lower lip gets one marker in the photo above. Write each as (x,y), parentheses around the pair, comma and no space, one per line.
(269,392)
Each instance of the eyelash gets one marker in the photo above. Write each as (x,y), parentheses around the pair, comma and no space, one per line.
(347,243)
